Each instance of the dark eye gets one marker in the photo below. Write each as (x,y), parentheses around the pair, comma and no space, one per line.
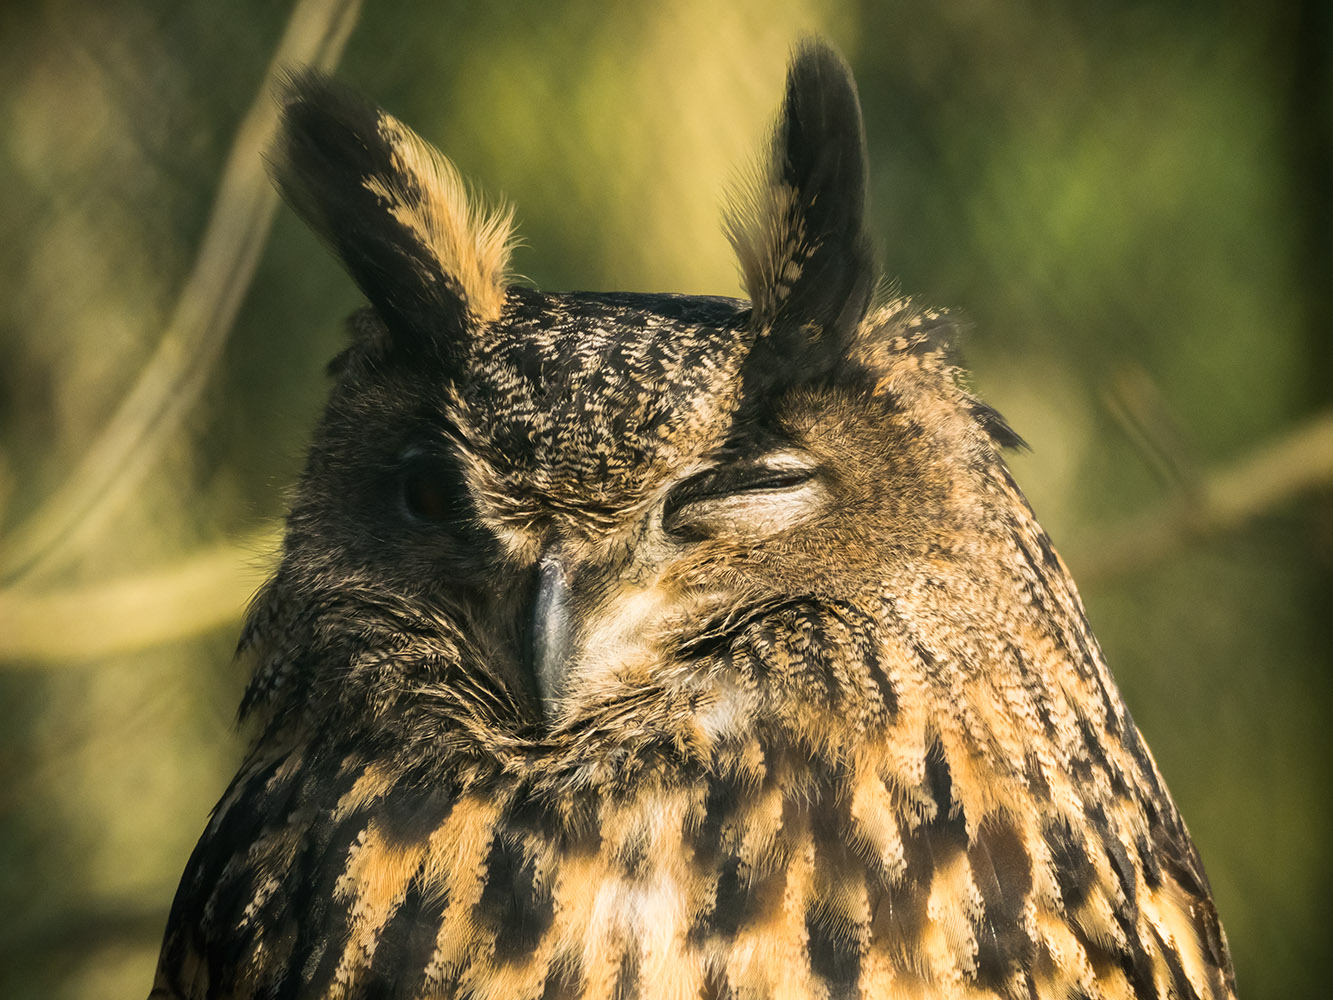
(434,491)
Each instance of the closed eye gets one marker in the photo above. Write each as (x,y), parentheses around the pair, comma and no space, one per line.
(726,494)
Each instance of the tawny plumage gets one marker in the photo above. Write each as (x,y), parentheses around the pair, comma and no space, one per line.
(669,647)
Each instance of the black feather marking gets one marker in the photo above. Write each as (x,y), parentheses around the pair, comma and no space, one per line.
(949,827)
(406,944)
(564,980)
(323,925)
(743,896)
(715,985)
(835,952)
(835,955)
(410,815)
(366,335)
(1003,875)
(1179,859)
(1136,964)
(725,792)
(627,986)
(1152,871)
(1074,872)
(513,906)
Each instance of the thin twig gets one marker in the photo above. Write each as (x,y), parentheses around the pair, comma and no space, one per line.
(174,377)
(1297,463)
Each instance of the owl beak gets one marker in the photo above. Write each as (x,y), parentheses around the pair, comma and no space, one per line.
(551,635)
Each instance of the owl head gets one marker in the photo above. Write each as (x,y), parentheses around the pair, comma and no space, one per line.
(544,515)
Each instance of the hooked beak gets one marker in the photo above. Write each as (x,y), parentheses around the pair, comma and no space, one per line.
(551,633)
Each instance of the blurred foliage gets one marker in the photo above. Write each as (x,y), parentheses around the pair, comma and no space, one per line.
(1130,203)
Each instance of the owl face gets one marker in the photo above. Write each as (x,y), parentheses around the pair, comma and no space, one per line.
(581,488)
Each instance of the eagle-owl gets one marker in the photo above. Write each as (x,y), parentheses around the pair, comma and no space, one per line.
(666,646)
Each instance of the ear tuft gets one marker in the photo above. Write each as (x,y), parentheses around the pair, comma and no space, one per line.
(797,223)
(394,210)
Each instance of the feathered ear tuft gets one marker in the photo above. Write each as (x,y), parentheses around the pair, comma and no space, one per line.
(797,223)
(394,210)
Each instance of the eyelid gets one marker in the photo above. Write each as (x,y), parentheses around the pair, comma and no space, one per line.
(773,473)
(726,480)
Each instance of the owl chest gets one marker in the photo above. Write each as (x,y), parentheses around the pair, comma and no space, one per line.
(800,878)
(660,895)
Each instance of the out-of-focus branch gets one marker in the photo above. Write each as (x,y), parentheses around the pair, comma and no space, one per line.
(1297,463)
(72,935)
(170,384)
(72,626)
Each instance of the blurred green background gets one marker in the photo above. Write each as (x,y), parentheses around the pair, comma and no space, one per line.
(1130,204)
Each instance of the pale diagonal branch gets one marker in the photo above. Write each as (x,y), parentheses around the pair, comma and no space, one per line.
(74,625)
(174,377)
(1293,465)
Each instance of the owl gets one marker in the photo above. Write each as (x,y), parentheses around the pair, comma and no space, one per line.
(667,646)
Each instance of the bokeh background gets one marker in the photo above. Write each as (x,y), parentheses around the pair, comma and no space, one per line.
(1129,203)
